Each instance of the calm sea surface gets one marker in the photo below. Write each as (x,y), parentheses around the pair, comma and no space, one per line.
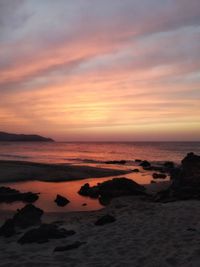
(94,152)
(87,154)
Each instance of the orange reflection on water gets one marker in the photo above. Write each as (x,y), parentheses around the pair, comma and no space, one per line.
(49,190)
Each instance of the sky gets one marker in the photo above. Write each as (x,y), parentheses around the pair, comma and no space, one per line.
(109,70)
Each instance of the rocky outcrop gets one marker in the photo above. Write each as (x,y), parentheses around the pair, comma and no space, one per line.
(116,187)
(105,220)
(24,218)
(120,187)
(61,201)
(8,228)
(185,181)
(169,165)
(135,170)
(88,191)
(120,162)
(28,216)
(44,233)
(9,195)
(145,164)
(159,175)
(71,246)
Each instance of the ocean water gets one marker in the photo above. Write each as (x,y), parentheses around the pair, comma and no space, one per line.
(87,154)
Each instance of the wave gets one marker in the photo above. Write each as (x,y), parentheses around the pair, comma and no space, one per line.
(84,160)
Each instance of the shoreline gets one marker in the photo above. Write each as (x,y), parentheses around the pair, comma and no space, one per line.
(17,171)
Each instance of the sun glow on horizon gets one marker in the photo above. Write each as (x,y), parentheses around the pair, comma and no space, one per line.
(101,72)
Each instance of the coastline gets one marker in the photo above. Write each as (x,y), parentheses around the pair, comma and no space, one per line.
(138,230)
(16,171)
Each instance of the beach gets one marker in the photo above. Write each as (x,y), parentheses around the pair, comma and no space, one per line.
(15,171)
(144,234)
(135,228)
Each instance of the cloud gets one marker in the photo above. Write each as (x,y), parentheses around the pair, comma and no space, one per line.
(88,65)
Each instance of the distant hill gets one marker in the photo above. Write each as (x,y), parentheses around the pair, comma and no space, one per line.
(23,137)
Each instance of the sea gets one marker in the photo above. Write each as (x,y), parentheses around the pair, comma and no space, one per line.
(79,152)
(92,154)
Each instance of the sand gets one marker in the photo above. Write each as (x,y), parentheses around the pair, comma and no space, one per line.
(15,171)
(144,234)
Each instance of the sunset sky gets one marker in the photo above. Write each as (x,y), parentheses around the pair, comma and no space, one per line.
(100,69)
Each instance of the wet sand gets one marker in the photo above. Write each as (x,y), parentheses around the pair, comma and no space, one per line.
(14,171)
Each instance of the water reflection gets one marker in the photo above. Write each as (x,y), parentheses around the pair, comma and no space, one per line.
(49,190)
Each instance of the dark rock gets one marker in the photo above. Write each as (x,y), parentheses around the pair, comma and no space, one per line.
(9,195)
(121,162)
(191,229)
(86,190)
(8,228)
(191,168)
(105,220)
(104,201)
(28,216)
(84,204)
(188,174)
(159,175)
(120,187)
(135,170)
(145,164)
(61,201)
(94,192)
(112,188)
(153,182)
(44,233)
(154,168)
(74,245)
(169,165)
(185,181)
(138,160)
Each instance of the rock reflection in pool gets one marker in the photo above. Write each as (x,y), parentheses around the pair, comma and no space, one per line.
(49,190)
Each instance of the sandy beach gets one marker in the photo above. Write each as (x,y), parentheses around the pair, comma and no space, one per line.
(144,234)
(132,230)
(14,171)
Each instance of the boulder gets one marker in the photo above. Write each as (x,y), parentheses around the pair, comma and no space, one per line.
(185,181)
(74,245)
(105,220)
(145,164)
(169,165)
(159,175)
(104,201)
(120,187)
(120,162)
(191,168)
(44,233)
(28,216)
(8,228)
(61,201)
(9,195)
(135,170)
(86,190)
(112,188)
